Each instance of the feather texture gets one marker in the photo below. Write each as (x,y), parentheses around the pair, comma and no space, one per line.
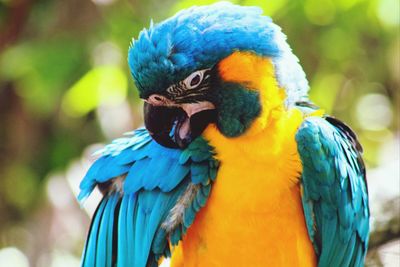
(199,37)
(144,184)
(335,198)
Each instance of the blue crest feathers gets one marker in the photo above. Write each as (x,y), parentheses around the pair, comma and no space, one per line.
(199,37)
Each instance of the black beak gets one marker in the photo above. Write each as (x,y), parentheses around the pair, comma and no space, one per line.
(171,127)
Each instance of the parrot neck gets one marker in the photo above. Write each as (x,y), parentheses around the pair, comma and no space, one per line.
(256,74)
(272,132)
(261,144)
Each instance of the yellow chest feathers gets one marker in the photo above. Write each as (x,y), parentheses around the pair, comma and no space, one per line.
(265,156)
(254,215)
(256,167)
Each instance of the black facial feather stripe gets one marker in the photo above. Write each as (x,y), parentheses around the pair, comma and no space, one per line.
(180,89)
(180,92)
(192,92)
(192,99)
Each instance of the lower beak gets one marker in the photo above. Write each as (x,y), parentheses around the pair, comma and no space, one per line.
(178,126)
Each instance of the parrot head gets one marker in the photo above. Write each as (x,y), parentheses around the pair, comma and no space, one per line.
(223,64)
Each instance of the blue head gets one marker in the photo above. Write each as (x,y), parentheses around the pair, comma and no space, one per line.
(182,54)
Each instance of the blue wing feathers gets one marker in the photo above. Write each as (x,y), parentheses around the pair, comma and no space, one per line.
(131,214)
(98,248)
(126,228)
(89,253)
(104,250)
(123,237)
(335,197)
(159,244)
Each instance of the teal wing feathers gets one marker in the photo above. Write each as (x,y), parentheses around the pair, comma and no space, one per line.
(151,196)
(335,196)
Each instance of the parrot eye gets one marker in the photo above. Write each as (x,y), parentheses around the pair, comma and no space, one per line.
(194,79)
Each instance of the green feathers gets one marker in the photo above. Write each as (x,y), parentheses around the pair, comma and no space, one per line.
(237,108)
(335,199)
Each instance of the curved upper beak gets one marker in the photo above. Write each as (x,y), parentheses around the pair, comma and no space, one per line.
(176,125)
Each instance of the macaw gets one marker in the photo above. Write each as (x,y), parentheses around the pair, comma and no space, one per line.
(235,165)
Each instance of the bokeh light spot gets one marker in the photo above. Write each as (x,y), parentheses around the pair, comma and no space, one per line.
(111,127)
(107,53)
(103,2)
(374,112)
(14,257)
(388,12)
(103,85)
(58,191)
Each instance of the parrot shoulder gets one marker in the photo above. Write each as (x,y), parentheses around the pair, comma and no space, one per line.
(334,191)
(151,195)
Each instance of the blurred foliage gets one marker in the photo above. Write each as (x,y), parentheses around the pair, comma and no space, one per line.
(64,79)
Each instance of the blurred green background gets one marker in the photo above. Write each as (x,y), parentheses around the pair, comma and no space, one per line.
(65,87)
